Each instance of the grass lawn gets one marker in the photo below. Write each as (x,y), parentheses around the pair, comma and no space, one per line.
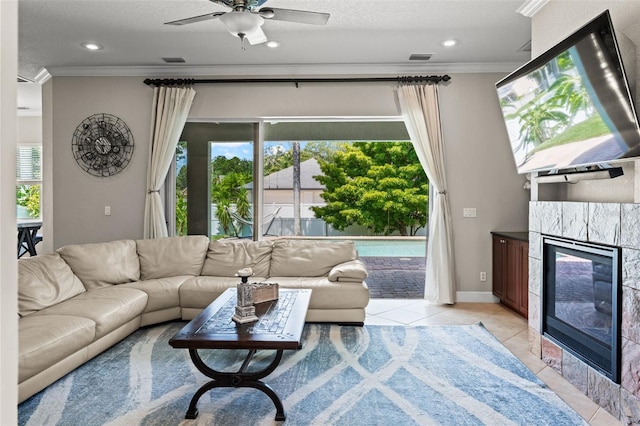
(587,129)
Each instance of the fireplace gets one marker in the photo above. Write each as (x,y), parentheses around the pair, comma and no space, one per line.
(581,309)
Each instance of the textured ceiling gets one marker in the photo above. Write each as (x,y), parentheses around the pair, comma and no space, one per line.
(379,34)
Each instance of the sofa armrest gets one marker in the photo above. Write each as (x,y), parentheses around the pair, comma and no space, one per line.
(352,271)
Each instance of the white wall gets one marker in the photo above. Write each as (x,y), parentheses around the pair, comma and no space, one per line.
(480,170)
(556,20)
(8,305)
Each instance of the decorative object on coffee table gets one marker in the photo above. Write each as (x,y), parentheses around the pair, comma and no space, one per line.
(265,292)
(245,312)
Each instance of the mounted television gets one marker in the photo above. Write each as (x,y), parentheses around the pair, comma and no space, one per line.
(572,106)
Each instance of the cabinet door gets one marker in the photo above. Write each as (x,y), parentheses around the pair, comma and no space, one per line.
(523,281)
(511,290)
(499,266)
(511,273)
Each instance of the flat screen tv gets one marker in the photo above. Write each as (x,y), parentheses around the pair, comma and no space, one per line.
(571,107)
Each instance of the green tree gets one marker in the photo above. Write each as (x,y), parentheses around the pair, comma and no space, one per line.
(226,192)
(222,166)
(181,212)
(181,179)
(228,177)
(181,189)
(28,196)
(323,150)
(278,159)
(380,185)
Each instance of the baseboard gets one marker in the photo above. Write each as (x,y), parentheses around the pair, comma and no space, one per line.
(476,297)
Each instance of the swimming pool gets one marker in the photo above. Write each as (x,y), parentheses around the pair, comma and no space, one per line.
(391,248)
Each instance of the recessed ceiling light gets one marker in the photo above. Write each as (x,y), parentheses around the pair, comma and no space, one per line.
(273,44)
(92,46)
(449,43)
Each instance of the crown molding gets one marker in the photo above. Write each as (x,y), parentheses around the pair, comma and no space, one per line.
(42,77)
(531,7)
(274,70)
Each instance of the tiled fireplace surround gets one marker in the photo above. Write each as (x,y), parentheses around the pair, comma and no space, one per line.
(606,223)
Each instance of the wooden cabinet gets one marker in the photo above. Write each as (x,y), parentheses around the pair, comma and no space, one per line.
(511,270)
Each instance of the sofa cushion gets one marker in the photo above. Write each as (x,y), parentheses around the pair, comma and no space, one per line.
(225,257)
(353,271)
(109,307)
(327,294)
(309,258)
(199,292)
(44,281)
(168,257)
(163,293)
(103,264)
(46,340)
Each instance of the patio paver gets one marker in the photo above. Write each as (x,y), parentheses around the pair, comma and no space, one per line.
(395,277)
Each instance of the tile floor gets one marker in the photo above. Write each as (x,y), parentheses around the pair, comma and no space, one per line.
(505,325)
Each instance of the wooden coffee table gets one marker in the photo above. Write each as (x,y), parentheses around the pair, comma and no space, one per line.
(279,327)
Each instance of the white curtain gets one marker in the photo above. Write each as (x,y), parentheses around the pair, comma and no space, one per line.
(170,110)
(421,113)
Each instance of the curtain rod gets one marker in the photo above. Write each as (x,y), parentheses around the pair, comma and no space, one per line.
(190,81)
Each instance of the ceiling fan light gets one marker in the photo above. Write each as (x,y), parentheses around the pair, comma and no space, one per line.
(245,23)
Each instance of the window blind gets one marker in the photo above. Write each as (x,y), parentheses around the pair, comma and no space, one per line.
(28,163)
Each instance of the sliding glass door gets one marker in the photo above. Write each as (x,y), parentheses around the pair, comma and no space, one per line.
(302,179)
(214,179)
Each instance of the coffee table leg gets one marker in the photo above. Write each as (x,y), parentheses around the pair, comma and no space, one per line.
(238,379)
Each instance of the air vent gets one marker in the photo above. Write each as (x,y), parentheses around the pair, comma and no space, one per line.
(526,47)
(23,80)
(174,60)
(420,56)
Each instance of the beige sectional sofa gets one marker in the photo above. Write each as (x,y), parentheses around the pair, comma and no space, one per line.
(82,299)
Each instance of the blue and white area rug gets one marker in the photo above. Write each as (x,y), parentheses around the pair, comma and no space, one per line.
(449,375)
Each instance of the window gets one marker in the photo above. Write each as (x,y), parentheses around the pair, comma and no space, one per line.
(28,181)
(274,170)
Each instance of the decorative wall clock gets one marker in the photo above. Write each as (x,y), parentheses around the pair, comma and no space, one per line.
(102,145)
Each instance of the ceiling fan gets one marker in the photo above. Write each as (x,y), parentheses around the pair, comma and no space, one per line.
(246,18)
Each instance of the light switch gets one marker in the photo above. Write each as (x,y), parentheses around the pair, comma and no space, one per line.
(469,212)
(107,210)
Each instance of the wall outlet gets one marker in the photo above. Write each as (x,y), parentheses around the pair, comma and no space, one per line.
(469,212)
(107,210)
(483,276)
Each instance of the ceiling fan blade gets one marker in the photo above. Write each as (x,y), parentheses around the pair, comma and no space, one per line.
(198,18)
(300,16)
(257,37)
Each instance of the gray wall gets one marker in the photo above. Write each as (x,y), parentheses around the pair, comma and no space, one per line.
(29,129)
(78,198)
(481,173)
(556,20)
(480,169)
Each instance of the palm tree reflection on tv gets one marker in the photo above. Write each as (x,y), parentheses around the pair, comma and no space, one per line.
(559,115)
